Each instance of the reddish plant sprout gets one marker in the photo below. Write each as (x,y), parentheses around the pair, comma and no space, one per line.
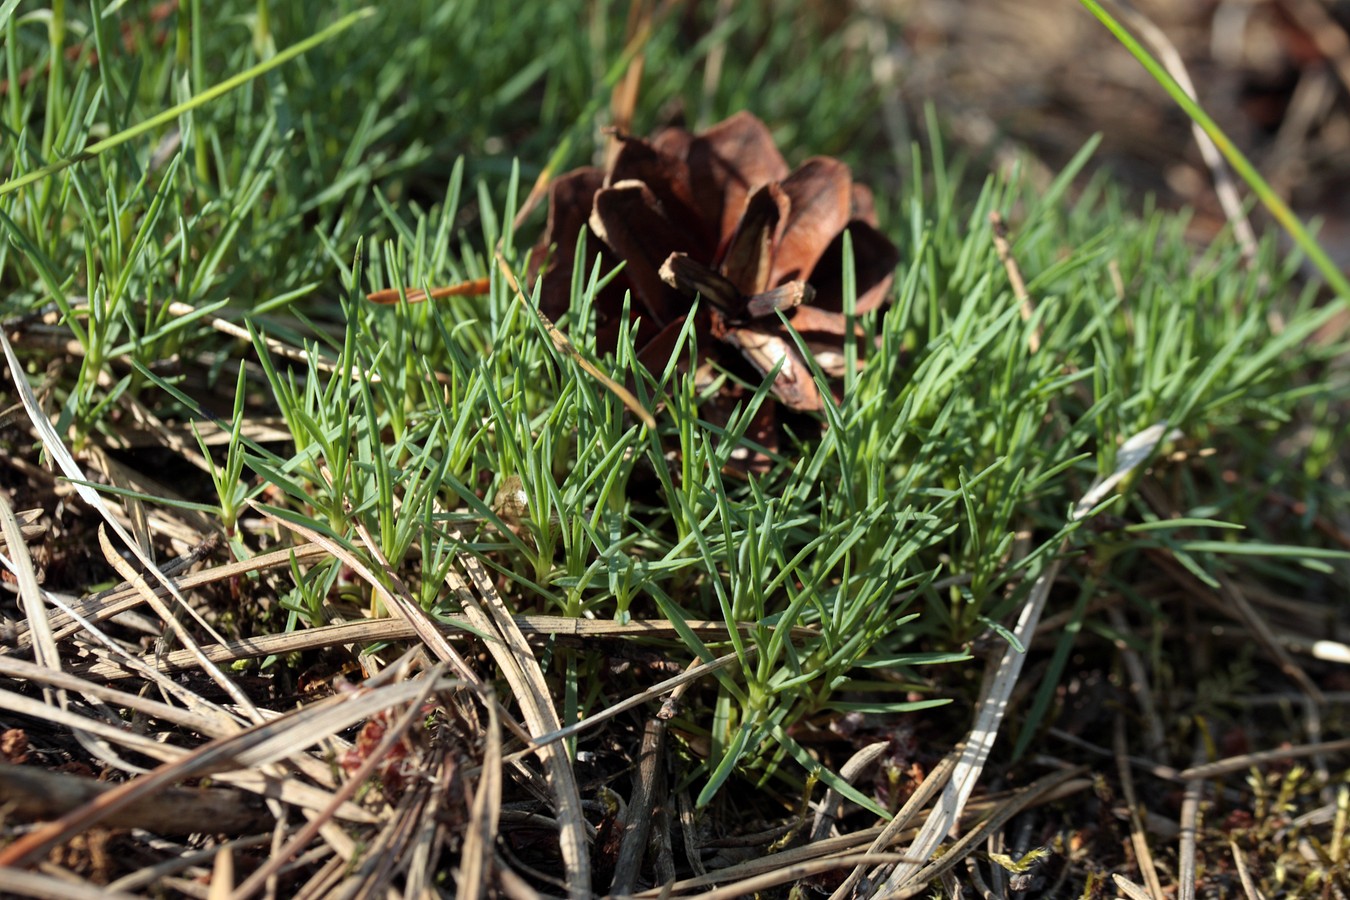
(719,215)
(399,765)
(14,746)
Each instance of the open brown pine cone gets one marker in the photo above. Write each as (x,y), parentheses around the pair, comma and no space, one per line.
(720,215)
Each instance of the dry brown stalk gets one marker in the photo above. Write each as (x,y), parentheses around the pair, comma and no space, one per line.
(30,794)
(255,747)
(370,631)
(476,862)
(522,671)
(1138,833)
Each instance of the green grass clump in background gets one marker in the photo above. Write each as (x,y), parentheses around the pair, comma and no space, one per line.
(394,153)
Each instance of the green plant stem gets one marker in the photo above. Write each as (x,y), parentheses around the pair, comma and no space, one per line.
(204,97)
(1277,207)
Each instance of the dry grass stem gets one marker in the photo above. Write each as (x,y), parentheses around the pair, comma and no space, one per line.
(1132,454)
(525,676)
(1249,887)
(642,802)
(432,681)
(11,667)
(935,781)
(222,874)
(1019,286)
(1055,785)
(1247,761)
(397,602)
(687,677)
(30,592)
(1138,833)
(844,846)
(56,448)
(144,877)
(1131,890)
(166,614)
(476,867)
(1225,188)
(434,822)
(1189,824)
(368,631)
(829,810)
(256,747)
(280,348)
(29,528)
(476,287)
(66,887)
(33,794)
(566,348)
(1140,687)
(106,604)
(794,872)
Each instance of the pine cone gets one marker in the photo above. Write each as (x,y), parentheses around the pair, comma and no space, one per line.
(720,215)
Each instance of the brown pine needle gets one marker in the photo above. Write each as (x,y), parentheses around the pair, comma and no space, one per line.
(475,287)
(1019,286)
(566,348)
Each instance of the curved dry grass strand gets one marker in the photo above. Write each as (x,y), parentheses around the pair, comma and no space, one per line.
(255,881)
(1132,454)
(1225,188)
(368,631)
(58,452)
(258,746)
(523,673)
(831,806)
(480,837)
(568,349)
(927,790)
